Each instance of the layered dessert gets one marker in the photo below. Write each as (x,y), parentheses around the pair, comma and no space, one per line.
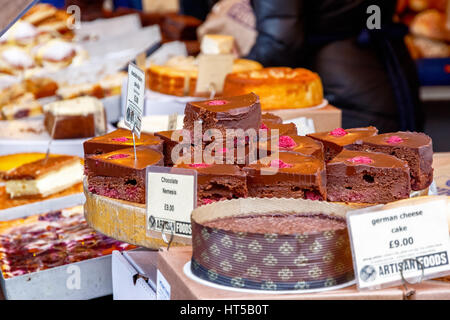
(119,174)
(278,87)
(49,240)
(291,175)
(178,76)
(217,182)
(240,112)
(270,250)
(120,139)
(57,54)
(75,118)
(41,87)
(334,141)
(12,161)
(413,147)
(112,84)
(44,177)
(367,177)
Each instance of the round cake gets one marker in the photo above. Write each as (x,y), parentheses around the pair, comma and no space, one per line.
(178,76)
(278,88)
(271,244)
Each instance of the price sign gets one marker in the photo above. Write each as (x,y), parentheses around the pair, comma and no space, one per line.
(135,99)
(410,241)
(171,197)
(212,70)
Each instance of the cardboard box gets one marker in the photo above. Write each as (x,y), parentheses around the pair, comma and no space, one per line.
(170,267)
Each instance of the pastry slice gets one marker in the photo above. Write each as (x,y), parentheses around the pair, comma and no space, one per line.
(44,177)
(81,117)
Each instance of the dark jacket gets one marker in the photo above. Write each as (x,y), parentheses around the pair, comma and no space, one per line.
(368,74)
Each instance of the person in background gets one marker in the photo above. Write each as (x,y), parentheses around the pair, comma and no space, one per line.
(369,74)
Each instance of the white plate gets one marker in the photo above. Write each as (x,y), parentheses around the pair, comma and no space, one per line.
(187,271)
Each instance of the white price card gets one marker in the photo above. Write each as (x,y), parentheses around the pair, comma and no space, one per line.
(171,197)
(135,99)
(392,244)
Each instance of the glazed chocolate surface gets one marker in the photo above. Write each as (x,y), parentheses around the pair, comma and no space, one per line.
(270,117)
(206,171)
(305,171)
(298,144)
(239,112)
(122,163)
(284,129)
(120,139)
(333,144)
(351,136)
(379,160)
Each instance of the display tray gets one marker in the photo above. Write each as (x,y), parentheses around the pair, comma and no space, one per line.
(95,279)
(56,283)
(21,136)
(121,220)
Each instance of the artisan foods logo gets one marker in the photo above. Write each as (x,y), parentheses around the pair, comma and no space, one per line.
(368,273)
(235,146)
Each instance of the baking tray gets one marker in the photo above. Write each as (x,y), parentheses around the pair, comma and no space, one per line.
(42,207)
(59,283)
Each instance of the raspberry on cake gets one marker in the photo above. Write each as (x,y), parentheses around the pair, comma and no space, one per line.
(278,88)
(120,139)
(367,177)
(239,112)
(119,175)
(217,182)
(413,147)
(334,141)
(81,117)
(296,144)
(44,177)
(291,176)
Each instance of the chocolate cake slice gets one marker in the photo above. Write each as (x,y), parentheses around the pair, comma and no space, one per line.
(367,177)
(413,147)
(284,129)
(239,112)
(171,139)
(120,139)
(291,176)
(270,118)
(296,144)
(119,175)
(334,141)
(217,182)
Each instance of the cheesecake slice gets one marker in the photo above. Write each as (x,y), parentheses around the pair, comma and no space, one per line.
(44,177)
